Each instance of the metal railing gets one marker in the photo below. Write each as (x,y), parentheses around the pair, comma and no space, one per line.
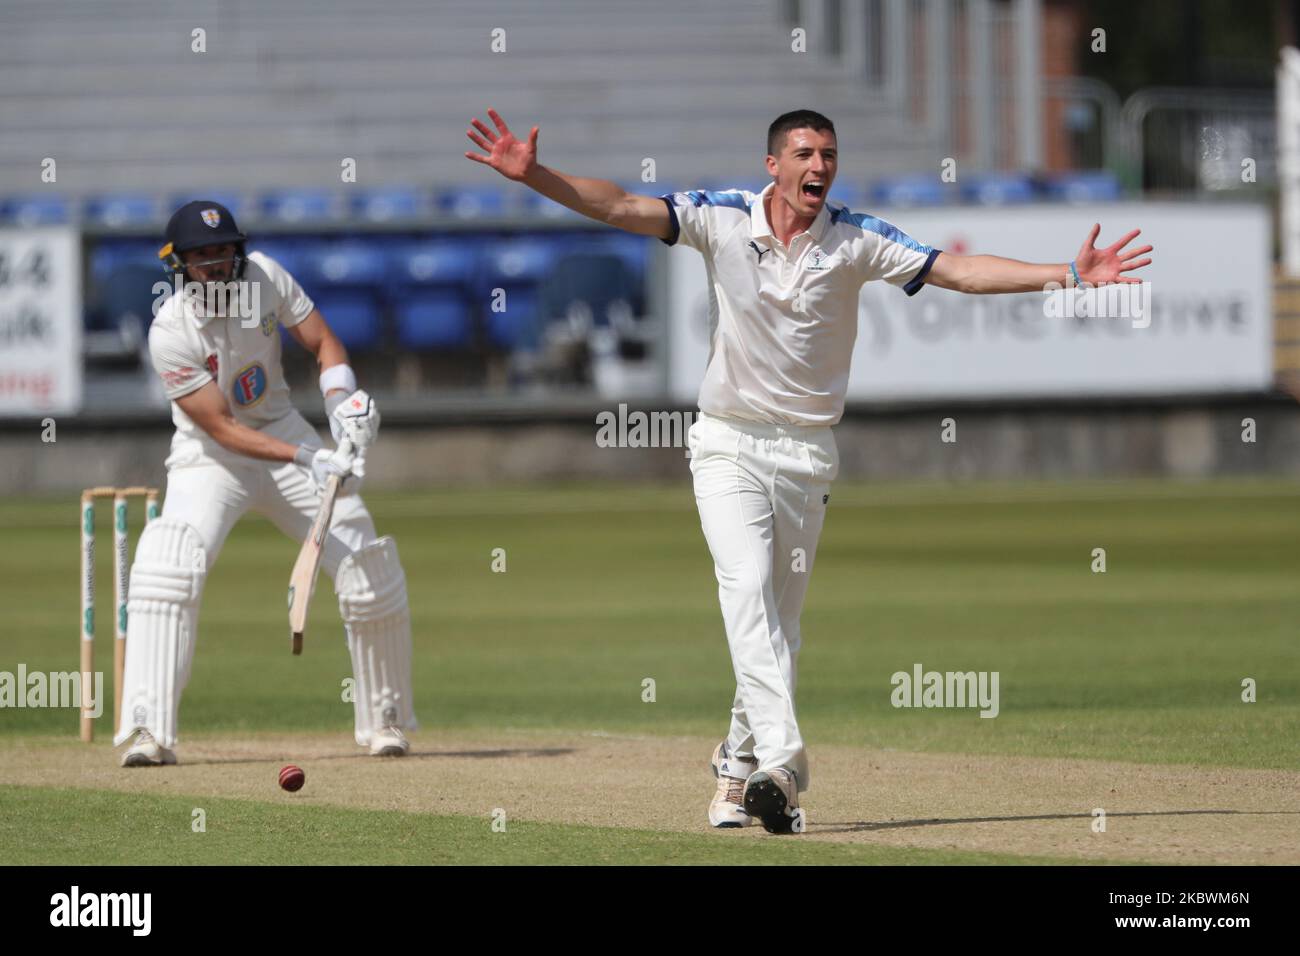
(1190,139)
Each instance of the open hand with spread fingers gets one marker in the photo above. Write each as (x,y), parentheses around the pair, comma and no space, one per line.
(508,156)
(1097,266)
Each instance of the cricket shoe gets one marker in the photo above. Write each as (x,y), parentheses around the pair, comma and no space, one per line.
(725,810)
(773,797)
(389,742)
(147,752)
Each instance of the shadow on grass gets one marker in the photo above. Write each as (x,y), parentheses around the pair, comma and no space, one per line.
(413,755)
(864,826)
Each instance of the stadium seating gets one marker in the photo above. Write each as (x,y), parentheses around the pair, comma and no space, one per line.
(434,318)
(289,251)
(297,86)
(345,263)
(117,211)
(126,295)
(921,189)
(355,316)
(1084,187)
(35,210)
(297,206)
(108,255)
(346,280)
(432,292)
(600,282)
(474,202)
(517,265)
(998,189)
(388,204)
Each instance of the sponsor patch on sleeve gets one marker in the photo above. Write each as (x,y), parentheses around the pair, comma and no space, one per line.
(174,378)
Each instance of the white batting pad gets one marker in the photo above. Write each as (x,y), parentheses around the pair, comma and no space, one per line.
(372,599)
(162,623)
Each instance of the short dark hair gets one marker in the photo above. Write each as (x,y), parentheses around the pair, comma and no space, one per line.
(796,119)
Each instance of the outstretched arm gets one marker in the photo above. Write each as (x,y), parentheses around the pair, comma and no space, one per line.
(986,274)
(597,199)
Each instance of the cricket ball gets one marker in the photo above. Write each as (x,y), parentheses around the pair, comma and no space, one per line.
(292,778)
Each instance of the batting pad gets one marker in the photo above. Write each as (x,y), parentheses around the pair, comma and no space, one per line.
(372,599)
(162,623)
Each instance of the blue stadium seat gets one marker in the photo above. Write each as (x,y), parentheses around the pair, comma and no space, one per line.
(107,255)
(349,262)
(998,189)
(472,202)
(598,280)
(433,262)
(36,210)
(1090,186)
(123,210)
(518,266)
(633,250)
(124,295)
(354,315)
(388,204)
(432,292)
(289,252)
(518,327)
(520,260)
(299,205)
(915,190)
(434,318)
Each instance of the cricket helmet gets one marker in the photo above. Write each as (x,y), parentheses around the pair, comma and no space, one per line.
(197,224)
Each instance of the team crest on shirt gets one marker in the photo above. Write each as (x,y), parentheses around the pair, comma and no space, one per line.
(211,218)
(249,386)
(819,261)
(268,323)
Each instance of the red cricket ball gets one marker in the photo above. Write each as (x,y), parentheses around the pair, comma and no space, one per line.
(292,778)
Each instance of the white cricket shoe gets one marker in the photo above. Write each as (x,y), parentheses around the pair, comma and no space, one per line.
(147,752)
(725,810)
(773,797)
(389,742)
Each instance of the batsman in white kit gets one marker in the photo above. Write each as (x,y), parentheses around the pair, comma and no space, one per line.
(785,270)
(241,446)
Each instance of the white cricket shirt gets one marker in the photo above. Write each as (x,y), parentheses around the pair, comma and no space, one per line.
(190,349)
(782,321)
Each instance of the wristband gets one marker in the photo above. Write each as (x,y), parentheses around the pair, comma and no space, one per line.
(338,376)
(1073,271)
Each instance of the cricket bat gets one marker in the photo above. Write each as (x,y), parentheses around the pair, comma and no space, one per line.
(302,582)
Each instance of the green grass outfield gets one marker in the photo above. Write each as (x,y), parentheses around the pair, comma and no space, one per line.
(608,585)
(47,826)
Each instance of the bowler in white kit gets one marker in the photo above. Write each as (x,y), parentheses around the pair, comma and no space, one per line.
(785,269)
(241,446)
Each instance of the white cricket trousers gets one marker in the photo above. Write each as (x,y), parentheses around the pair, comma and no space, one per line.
(762,492)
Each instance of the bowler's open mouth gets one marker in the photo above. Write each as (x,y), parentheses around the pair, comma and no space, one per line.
(814,189)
